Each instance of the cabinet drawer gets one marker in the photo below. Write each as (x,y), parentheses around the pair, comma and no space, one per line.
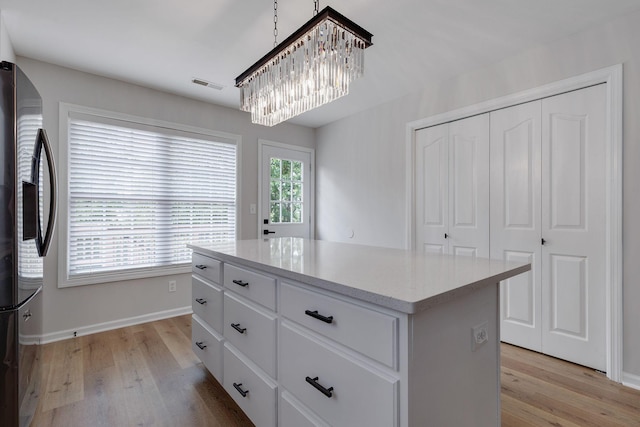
(369,332)
(207,302)
(255,286)
(206,267)
(293,414)
(207,345)
(358,395)
(254,333)
(260,393)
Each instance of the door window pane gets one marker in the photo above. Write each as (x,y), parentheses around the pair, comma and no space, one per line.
(286,193)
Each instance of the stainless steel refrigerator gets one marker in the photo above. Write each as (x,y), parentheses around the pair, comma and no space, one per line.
(24,189)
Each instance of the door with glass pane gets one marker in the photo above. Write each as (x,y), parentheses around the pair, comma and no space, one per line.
(286,183)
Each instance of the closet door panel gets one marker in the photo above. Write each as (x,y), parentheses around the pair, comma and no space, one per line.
(469,186)
(432,196)
(515,218)
(574,226)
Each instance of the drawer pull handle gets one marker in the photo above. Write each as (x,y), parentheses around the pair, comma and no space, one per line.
(315,315)
(240,283)
(240,390)
(201,301)
(237,327)
(201,345)
(201,266)
(314,382)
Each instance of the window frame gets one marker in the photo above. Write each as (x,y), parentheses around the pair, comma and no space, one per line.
(67,112)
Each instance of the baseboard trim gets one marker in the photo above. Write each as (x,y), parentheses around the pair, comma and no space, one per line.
(631,380)
(114,324)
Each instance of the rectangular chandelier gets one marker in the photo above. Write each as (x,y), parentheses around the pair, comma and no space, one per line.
(312,67)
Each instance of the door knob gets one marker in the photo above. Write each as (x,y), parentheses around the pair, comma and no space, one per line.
(268,232)
(543,241)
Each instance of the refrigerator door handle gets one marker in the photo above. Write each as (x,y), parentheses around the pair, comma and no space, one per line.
(43,141)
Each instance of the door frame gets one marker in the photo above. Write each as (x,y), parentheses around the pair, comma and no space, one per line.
(312,180)
(612,77)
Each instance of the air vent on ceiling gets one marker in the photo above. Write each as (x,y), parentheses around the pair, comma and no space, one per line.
(202,82)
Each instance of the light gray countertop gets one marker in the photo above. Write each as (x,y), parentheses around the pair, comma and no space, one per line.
(402,280)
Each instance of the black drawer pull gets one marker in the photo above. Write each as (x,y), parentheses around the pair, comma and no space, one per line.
(201,301)
(201,266)
(240,390)
(237,327)
(314,382)
(240,283)
(315,315)
(201,345)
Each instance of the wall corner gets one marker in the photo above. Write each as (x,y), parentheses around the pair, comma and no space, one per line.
(6,47)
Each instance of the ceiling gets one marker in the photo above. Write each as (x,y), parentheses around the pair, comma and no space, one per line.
(164,44)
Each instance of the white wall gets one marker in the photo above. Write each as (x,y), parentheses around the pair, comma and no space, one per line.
(360,160)
(70,309)
(6,48)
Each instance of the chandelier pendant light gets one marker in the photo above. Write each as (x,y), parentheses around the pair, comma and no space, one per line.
(312,67)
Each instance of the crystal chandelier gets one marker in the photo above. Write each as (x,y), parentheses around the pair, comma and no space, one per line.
(312,67)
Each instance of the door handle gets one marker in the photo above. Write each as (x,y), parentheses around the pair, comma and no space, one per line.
(543,242)
(42,244)
(268,232)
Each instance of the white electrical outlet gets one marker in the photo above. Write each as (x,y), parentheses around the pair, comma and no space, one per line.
(479,335)
(172,286)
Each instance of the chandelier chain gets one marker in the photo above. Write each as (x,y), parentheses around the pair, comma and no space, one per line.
(275,23)
(316,3)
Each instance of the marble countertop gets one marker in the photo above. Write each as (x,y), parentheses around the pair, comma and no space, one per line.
(401,280)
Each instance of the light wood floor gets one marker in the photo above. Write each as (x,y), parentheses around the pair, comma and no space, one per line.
(147,375)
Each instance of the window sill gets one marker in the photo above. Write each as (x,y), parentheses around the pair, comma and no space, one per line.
(122,276)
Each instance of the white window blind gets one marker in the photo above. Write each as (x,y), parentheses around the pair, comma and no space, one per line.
(137,196)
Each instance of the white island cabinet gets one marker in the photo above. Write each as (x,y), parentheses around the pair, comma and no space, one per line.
(313,333)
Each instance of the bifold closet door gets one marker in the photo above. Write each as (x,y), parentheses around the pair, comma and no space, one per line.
(431,187)
(515,218)
(452,187)
(548,202)
(469,186)
(574,226)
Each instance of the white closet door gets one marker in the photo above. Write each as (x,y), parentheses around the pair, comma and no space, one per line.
(431,183)
(515,218)
(573,226)
(469,186)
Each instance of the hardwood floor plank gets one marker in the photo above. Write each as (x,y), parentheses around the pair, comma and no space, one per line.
(96,352)
(177,342)
(143,401)
(64,381)
(521,414)
(183,323)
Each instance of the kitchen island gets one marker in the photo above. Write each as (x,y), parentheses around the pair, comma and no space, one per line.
(304,332)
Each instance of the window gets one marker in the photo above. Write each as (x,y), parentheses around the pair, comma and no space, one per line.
(138,194)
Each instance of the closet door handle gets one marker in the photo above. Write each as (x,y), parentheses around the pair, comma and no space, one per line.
(238,386)
(201,301)
(314,382)
(237,327)
(315,315)
(446,236)
(201,345)
(543,242)
(240,283)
